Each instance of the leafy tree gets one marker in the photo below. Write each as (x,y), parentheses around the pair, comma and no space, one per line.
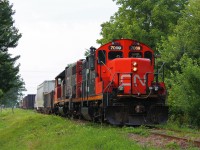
(184,97)
(147,20)
(12,97)
(9,78)
(185,38)
(181,52)
(9,36)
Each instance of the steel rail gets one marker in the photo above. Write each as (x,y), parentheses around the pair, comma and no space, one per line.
(195,142)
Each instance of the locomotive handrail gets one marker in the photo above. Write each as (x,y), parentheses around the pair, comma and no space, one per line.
(162,67)
(106,67)
(159,70)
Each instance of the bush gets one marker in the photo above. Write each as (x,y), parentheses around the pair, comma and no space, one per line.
(184,95)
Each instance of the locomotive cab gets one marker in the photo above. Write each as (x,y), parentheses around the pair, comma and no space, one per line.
(129,67)
(59,86)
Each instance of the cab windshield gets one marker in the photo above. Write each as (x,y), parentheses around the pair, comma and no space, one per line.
(113,55)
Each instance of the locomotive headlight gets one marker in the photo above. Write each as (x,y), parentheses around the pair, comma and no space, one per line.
(156,88)
(134,64)
(135,69)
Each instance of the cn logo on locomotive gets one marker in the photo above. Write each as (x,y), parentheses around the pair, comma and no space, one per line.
(127,77)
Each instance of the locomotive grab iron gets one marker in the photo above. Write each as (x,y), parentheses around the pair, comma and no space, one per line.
(116,83)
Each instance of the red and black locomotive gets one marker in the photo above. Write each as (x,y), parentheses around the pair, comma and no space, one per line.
(116,83)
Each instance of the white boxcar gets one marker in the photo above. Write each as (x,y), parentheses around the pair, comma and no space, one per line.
(45,87)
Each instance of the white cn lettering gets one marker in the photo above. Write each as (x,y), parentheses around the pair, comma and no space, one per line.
(122,79)
(142,81)
(136,77)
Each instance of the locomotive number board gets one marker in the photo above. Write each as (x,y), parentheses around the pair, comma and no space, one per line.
(135,47)
(115,47)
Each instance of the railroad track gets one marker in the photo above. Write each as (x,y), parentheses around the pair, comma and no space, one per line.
(172,137)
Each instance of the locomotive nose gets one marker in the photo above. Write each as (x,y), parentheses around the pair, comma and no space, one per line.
(129,75)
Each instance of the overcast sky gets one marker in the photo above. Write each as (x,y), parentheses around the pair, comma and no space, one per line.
(56,33)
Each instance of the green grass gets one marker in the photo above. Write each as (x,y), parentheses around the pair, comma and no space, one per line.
(181,128)
(27,129)
(142,130)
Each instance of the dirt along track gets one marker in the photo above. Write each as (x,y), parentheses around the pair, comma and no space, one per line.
(166,138)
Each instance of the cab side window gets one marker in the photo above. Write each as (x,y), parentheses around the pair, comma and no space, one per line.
(148,55)
(135,55)
(101,56)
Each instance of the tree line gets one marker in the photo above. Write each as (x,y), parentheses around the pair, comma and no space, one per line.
(171,28)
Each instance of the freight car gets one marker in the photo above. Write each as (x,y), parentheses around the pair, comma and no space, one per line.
(28,101)
(44,90)
(116,83)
